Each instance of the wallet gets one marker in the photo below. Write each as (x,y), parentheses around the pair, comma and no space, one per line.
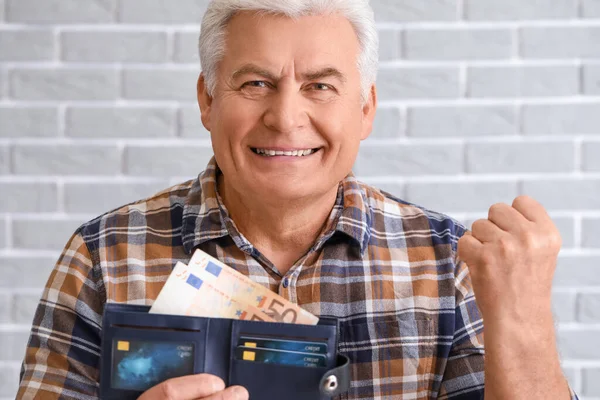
(271,360)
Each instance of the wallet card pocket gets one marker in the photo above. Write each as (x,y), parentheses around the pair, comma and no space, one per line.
(275,381)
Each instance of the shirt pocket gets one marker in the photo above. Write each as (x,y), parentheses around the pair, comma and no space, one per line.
(390,358)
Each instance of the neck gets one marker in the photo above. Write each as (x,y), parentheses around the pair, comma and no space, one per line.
(283,231)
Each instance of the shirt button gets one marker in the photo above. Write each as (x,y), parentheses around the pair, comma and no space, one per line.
(286,282)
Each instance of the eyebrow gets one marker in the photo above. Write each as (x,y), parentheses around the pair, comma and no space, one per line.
(325,72)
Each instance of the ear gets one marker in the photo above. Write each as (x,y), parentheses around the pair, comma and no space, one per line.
(204,101)
(368,113)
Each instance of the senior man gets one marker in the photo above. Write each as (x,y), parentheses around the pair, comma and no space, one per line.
(287,93)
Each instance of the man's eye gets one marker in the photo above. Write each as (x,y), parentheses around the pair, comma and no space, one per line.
(321,86)
(256,84)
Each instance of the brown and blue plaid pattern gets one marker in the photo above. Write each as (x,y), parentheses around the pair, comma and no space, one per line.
(386,268)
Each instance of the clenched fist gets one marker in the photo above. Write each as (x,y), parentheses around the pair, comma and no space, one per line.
(512,257)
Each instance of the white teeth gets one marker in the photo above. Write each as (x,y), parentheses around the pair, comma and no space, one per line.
(296,153)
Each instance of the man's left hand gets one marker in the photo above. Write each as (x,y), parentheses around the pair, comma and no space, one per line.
(512,257)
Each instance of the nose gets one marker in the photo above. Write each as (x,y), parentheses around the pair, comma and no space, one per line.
(286,112)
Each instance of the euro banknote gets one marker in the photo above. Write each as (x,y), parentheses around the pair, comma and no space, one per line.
(244,290)
(186,292)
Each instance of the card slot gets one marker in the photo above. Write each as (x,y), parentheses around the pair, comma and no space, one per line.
(136,359)
(322,333)
(276,381)
(155,328)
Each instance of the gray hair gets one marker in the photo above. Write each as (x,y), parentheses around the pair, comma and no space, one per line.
(358,13)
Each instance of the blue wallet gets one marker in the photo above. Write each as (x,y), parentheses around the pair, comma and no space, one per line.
(271,360)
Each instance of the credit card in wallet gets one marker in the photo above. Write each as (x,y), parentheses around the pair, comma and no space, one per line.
(141,364)
(270,356)
(284,344)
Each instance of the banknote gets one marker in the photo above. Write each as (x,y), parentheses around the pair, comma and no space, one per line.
(246,291)
(187,293)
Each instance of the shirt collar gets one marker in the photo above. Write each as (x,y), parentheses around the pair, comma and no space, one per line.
(205,217)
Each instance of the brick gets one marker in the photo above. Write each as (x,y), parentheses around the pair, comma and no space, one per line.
(566,227)
(588,308)
(5,308)
(419,83)
(576,344)
(161,84)
(162,11)
(64,84)
(141,47)
(458,44)
(573,376)
(523,81)
(577,272)
(387,124)
(24,306)
(28,197)
(9,380)
(561,119)
(560,42)
(590,8)
(186,48)
(563,307)
(167,161)
(520,157)
(25,272)
(591,380)
(591,79)
(590,232)
(26,45)
(454,197)
(415,10)
(4,160)
(19,122)
(12,345)
(388,160)
(509,10)
(3,238)
(460,121)
(66,160)
(190,124)
(117,122)
(390,45)
(101,197)
(60,11)
(34,233)
(564,194)
(591,156)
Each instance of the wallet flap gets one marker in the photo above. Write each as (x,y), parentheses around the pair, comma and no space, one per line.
(337,380)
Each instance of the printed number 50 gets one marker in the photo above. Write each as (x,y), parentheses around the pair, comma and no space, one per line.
(279,313)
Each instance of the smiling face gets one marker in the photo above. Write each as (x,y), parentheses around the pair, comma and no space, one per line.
(286,118)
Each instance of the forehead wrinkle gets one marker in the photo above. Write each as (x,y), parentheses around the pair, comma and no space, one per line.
(325,72)
(316,74)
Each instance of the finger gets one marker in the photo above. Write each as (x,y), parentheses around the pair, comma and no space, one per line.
(507,218)
(531,209)
(469,248)
(185,388)
(486,231)
(231,393)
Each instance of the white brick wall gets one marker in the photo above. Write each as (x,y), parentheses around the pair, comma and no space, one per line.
(481,100)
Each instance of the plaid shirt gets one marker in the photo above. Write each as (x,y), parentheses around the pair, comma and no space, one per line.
(386,268)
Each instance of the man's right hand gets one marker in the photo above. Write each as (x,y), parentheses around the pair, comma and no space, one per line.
(195,387)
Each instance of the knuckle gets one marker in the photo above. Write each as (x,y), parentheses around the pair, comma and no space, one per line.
(168,390)
(487,258)
(495,208)
(522,199)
